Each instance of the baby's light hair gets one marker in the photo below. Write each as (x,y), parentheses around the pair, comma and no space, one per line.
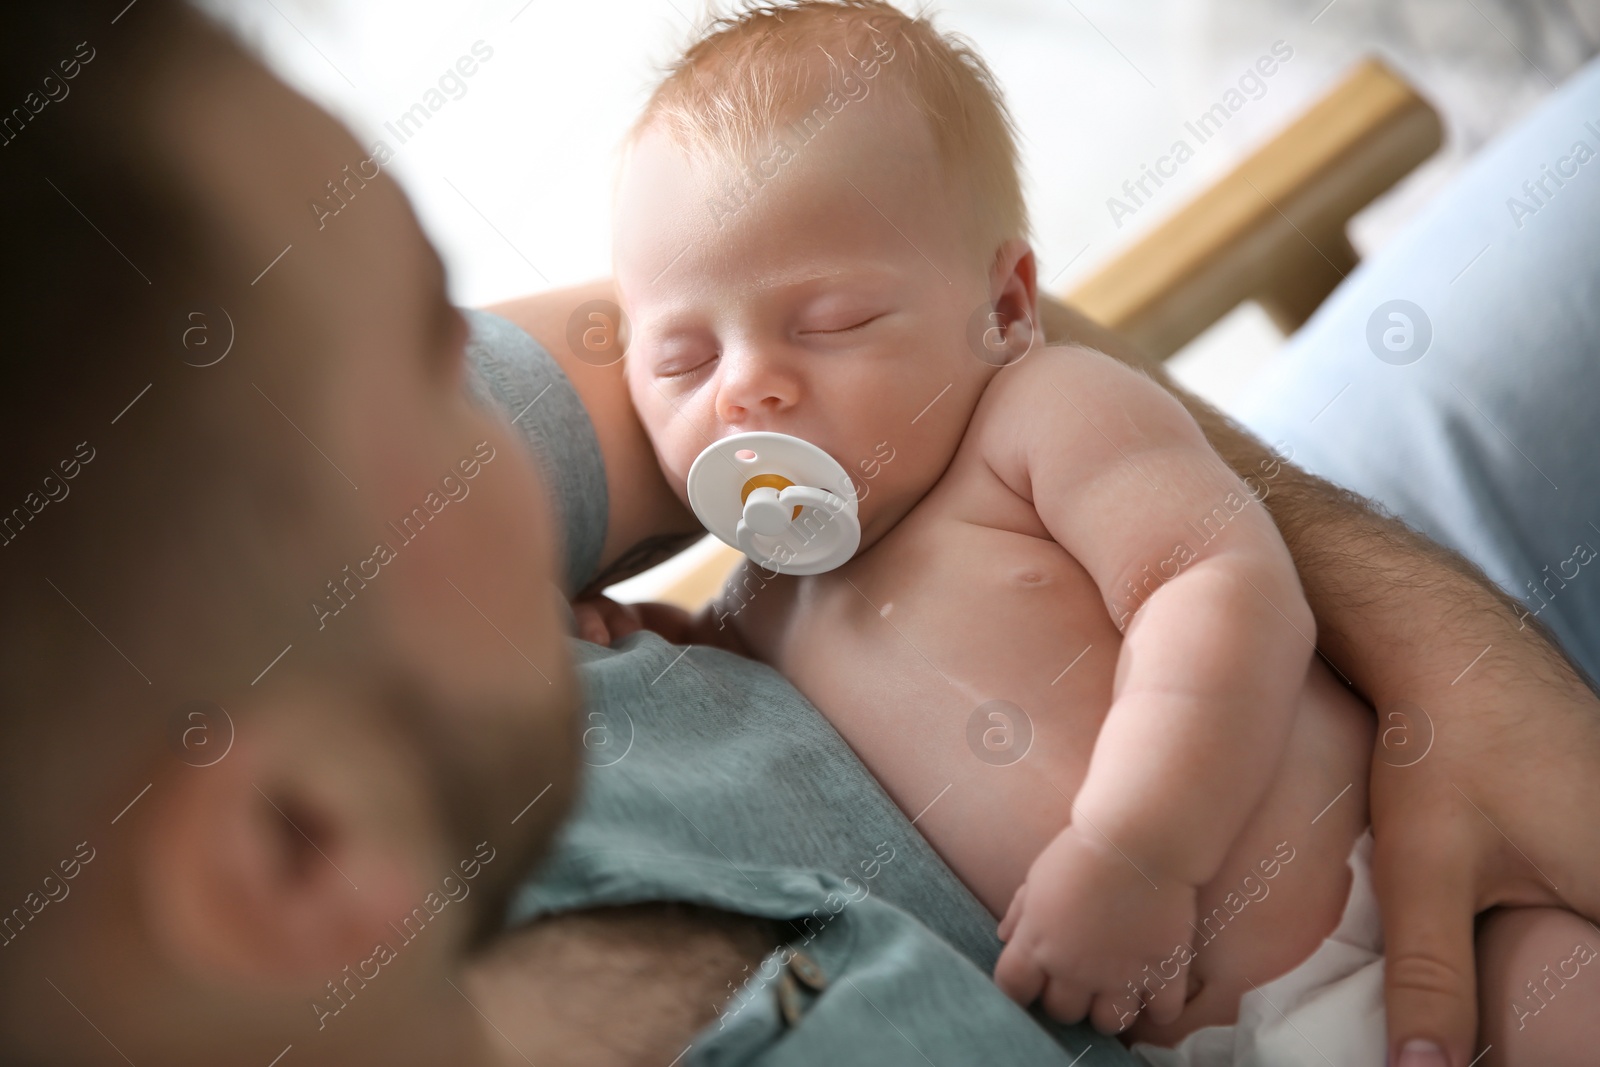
(758,67)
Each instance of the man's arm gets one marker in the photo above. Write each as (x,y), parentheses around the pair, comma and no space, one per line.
(1503,805)
(646,522)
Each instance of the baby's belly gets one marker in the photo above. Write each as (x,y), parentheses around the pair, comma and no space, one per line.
(971,668)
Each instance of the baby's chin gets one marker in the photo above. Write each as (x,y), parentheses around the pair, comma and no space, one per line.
(875,525)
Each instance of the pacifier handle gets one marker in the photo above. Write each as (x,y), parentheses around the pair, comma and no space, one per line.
(771,512)
(811,496)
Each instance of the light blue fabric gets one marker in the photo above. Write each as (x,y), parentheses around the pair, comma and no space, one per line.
(1490,442)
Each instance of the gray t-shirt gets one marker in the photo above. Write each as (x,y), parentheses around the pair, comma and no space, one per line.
(711,780)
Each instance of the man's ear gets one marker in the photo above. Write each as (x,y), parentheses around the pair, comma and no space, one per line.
(289,858)
(1014,297)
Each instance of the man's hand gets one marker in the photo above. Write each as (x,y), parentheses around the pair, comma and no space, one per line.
(1092,935)
(604,621)
(1503,809)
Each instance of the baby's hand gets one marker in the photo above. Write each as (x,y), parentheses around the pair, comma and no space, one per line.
(1084,925)
(604,621)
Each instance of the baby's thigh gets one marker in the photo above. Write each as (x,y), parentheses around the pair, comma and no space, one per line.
(1538,988)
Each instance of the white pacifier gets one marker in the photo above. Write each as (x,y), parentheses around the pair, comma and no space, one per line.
(764,494)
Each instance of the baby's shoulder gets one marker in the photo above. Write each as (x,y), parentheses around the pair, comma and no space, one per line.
(1077,399)
(1048,379)
(1068,370)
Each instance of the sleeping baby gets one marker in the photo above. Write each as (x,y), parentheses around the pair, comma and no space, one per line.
(1071,644)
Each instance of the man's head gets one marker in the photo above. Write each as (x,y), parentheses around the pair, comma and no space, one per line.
(281,661)
(820,231)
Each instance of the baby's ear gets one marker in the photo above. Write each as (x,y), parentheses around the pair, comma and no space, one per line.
(1014,296)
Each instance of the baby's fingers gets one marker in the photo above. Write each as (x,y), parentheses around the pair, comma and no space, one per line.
(1019,975)
(591,623)
(1008,925)
(1066,1001)
(1167,996)
(1114,1011)
(1112,1014)
(622,620)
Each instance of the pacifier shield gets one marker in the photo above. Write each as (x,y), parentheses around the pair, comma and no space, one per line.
(782,501)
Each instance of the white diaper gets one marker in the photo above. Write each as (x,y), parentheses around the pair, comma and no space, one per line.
(1327,1011)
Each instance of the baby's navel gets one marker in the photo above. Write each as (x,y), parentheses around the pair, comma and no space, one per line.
(1030,577)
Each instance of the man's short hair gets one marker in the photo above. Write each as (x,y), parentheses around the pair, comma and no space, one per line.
(143,528)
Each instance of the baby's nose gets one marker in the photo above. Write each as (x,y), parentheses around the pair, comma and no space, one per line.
(753,388)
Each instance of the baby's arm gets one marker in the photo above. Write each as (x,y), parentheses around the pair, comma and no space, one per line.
(1217,639)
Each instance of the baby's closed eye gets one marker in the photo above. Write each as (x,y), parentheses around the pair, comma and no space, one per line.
(681,357)
(847,323)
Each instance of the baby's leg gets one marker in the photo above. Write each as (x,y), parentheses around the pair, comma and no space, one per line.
(1538,988)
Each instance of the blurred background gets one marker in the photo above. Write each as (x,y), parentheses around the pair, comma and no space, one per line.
(512,176)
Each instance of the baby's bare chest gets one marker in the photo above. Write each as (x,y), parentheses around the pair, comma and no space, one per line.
(966,604)
(967,661)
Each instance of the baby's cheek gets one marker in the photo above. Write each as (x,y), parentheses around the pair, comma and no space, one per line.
(663,425)
(677,448)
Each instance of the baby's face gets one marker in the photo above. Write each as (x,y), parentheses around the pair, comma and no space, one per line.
(823,290)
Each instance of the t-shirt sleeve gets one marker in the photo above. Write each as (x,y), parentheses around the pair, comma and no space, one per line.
(510,370)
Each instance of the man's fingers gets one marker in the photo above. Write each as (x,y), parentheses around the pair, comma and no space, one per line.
(1427,896)
(1018,976)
